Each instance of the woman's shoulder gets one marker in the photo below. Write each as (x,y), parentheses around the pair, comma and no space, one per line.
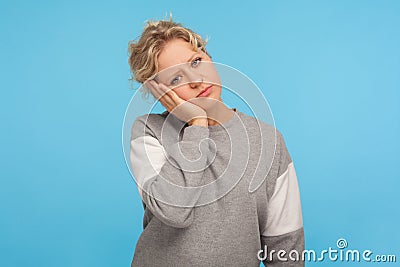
(151,117)
(148,124)
(255,124)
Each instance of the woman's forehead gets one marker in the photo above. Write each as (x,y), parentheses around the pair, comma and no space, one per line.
(175,52)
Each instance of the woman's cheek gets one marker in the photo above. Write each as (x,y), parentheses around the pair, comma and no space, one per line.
(181,92)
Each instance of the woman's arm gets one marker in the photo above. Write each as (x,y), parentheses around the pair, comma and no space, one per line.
(156,172)
(284,227)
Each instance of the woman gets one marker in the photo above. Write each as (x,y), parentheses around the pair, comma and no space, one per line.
(193,217)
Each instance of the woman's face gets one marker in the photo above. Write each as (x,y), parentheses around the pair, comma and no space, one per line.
(187,72)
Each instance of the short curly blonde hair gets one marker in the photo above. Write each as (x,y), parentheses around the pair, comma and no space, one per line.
(143,54)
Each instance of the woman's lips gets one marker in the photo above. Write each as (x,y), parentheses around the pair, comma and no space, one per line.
(206,92)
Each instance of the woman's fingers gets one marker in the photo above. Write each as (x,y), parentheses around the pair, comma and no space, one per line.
(164,91)
(155,89)
(184,110)
(152,88)
(172,97)
(159,91)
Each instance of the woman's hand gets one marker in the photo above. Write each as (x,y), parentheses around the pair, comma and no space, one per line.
(183,110)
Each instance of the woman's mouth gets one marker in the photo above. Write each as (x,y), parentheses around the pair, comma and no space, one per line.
(205,92)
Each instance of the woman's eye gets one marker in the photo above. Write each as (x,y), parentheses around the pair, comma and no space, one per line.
(196,62)
(175,80)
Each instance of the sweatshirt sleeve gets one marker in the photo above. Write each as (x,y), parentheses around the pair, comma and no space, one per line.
(163,174)
(282,239)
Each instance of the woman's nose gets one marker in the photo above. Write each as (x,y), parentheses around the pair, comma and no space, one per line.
(195,80)
(195,83)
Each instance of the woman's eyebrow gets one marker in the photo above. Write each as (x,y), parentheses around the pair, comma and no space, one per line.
(190,59)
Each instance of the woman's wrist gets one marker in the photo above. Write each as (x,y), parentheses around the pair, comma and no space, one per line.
(198,122)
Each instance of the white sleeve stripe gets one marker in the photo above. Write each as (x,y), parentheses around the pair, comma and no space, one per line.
(284,207)
(146,158)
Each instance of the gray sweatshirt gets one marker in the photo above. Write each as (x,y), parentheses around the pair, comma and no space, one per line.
(226,195)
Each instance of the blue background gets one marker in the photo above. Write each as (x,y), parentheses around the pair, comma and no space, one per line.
(329,69)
